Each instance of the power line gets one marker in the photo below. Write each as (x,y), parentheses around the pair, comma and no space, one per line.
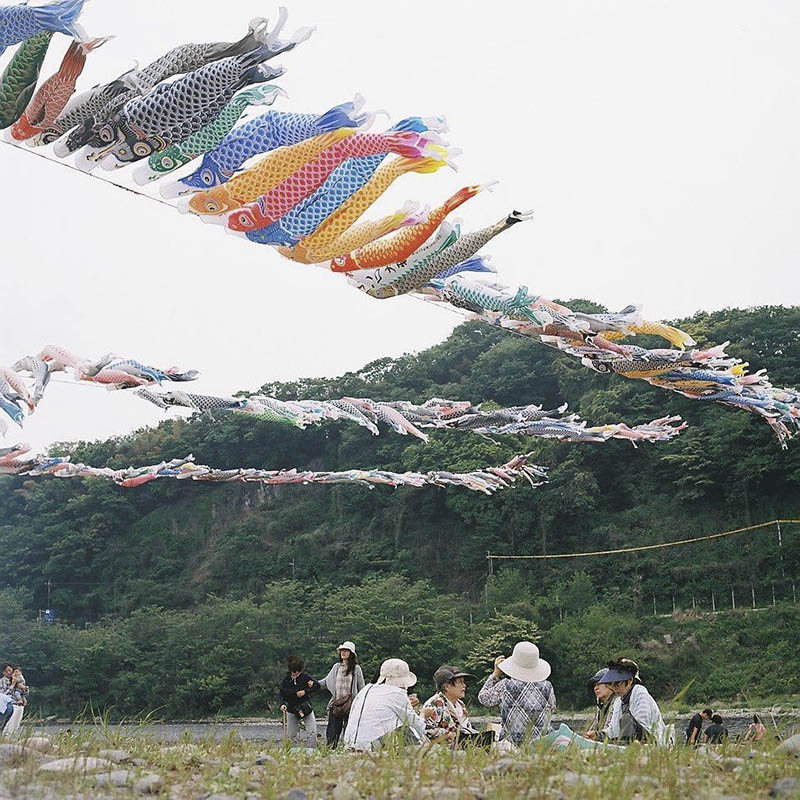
(491,556)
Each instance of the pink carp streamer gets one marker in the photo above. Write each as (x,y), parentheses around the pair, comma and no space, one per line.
(488,480)
(22,385)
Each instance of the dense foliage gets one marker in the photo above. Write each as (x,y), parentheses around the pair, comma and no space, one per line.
(206,587)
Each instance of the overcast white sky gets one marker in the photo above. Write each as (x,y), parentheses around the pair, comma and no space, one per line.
(657,143)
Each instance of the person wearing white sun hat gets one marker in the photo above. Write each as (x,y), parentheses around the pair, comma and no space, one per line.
(344,682)
(384,707)
(526,698)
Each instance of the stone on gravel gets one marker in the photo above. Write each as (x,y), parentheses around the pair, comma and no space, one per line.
(117,777)
(507,765)
(345,791)
(642,780)
(791,745)
(218,796)
(785,787)
(731,763)
(149,784)
(117,756)
(576,779)
(77,764)
(438,791)
(39,743)
(266,758)
(295,794)
(9,752)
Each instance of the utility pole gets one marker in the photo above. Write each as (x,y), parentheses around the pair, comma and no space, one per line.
(49,583)
(292,564)
(780,546)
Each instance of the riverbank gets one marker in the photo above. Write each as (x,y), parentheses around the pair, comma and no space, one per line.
(262,729)
(81,764)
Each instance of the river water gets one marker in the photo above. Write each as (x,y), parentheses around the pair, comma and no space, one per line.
(267,730)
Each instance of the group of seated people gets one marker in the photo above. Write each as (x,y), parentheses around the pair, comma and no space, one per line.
(716,732)
(13,698)
(368,716)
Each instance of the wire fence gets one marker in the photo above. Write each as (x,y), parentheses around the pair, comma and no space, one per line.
(727,597)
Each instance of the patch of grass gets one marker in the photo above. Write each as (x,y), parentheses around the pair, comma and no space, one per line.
(192,768)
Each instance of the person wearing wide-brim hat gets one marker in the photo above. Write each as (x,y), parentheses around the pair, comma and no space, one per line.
(604,697)
(526,698)
(449,724)
(344,682)
(384,707)
(635,715)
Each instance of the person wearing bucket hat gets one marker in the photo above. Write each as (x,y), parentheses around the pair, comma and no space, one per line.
(344,682)
(526,698)
(449,724)
(384,707)
(604,697)
(635,715)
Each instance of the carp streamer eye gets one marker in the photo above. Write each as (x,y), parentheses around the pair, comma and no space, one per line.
(105,134)
(245,221)
(167,162)
(207,176)
(212,207)
(142,149)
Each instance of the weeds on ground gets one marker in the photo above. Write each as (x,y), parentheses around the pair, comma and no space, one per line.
(194,768)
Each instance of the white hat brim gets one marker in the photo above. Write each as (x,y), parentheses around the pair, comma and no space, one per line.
(347,646)
(538,673)
(401,681)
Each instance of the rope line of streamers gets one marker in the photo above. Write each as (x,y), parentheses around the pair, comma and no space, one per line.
(493,556)
(23,385)
(315,176)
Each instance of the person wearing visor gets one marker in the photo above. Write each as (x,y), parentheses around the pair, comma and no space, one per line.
(635,715)
(450,723)
(604,697)
(383,707)
(526,698)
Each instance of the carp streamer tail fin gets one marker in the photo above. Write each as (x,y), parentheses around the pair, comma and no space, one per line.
(61,17)
(345,115)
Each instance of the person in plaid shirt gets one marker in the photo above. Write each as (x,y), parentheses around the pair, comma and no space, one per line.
(526,698)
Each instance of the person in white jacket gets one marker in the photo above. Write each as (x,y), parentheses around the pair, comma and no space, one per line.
(635,715)
(383,707)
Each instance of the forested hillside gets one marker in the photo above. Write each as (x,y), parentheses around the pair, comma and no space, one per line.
(109,552)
